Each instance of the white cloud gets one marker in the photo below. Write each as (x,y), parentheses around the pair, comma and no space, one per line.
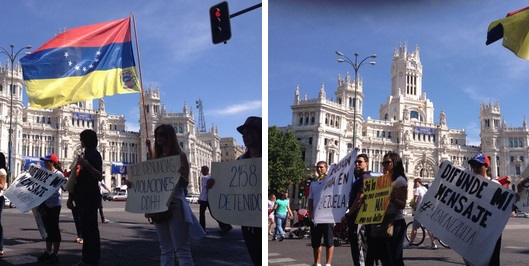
(237,108)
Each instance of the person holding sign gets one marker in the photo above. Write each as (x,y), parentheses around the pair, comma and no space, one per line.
(317,231)
(87,197)
(205,185)
(174,233)
(252,137)
(390,249)
(3,177)
(50,210)
(480,164)
(356,198)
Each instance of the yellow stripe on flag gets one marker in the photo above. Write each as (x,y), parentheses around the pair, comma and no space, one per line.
(97,84)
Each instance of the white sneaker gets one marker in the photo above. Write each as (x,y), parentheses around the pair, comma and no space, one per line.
(327,264)
(433,246)
(316,264)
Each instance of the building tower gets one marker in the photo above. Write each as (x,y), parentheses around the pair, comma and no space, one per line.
(490,119)
(153,113)
(407,99)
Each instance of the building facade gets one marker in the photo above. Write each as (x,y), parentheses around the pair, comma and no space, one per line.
(406,125)
(38,132)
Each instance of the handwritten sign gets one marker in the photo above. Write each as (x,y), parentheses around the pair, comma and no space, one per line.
(332,203)
(236,197)
(466,211)
(377,191)
(152,184)
(33,187)
(523,203)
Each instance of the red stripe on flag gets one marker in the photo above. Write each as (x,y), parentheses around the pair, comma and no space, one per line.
(516,12)
(94,35)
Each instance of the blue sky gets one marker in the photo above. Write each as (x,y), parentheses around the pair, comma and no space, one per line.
(177,54)
(459,70)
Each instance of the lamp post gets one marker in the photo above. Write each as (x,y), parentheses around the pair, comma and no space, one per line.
(356,66)
(12,56)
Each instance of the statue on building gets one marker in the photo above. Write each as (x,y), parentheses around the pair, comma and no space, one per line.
(443,118)
(101,105)
(65,122)
(407,137)
(406,114)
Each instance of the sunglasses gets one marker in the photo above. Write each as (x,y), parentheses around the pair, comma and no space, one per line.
(359,162)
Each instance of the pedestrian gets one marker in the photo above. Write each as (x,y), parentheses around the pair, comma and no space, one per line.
(75,212)
(205,185)
(175,233)
(356,198)
(50,210)
(480,164)
(418,194)
(317,231)
(282,211)
(3,177)
(271,216)
(101,214)
(392,164)
(87,198)
(252,137)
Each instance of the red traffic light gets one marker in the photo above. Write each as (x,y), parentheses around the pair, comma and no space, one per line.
(217,13)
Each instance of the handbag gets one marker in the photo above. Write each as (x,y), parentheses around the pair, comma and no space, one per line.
(159,217)
(383,229)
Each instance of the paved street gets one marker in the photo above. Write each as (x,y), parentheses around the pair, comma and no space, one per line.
(127,240)
(515,250)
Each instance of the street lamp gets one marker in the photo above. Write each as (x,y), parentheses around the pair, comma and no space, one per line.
(12,56)
(356,66)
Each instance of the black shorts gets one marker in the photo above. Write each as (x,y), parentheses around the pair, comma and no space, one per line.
(319,231)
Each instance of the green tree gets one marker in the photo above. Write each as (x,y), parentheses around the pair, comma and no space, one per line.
(285,165)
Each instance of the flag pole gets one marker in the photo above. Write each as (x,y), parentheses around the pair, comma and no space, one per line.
(141,76)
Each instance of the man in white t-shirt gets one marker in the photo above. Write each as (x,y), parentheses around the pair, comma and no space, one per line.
(418,194)
(319,231)
(205,185)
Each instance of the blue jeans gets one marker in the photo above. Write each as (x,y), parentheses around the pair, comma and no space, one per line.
(279,228)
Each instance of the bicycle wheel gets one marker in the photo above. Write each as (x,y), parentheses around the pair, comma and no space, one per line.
(442,243)
(419,236)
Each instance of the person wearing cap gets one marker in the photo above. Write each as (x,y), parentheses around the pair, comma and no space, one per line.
(480,164)
(252,137)
(50,210)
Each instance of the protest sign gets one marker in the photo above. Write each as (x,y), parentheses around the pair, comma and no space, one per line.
(377,192)
(523,202)
(332,204)
(151,184)
(33,187)
(236,197)
(467,211)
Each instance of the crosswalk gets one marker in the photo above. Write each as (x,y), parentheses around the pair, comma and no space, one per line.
(277,259)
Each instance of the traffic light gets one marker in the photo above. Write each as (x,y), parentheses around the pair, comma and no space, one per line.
(219,16)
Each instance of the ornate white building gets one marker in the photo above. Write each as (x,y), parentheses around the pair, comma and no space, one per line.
(38,132)
(406,125)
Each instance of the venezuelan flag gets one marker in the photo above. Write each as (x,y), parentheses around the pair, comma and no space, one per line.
(514,29)
(81,64)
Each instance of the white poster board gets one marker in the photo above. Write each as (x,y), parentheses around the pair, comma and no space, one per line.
(152,184)
(523,203)
(236,197)
(332,204)
(466,211)
(33,187)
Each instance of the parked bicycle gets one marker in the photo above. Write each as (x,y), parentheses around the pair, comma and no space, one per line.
(420,236)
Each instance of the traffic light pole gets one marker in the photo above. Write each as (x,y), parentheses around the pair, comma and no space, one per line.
(246,10)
